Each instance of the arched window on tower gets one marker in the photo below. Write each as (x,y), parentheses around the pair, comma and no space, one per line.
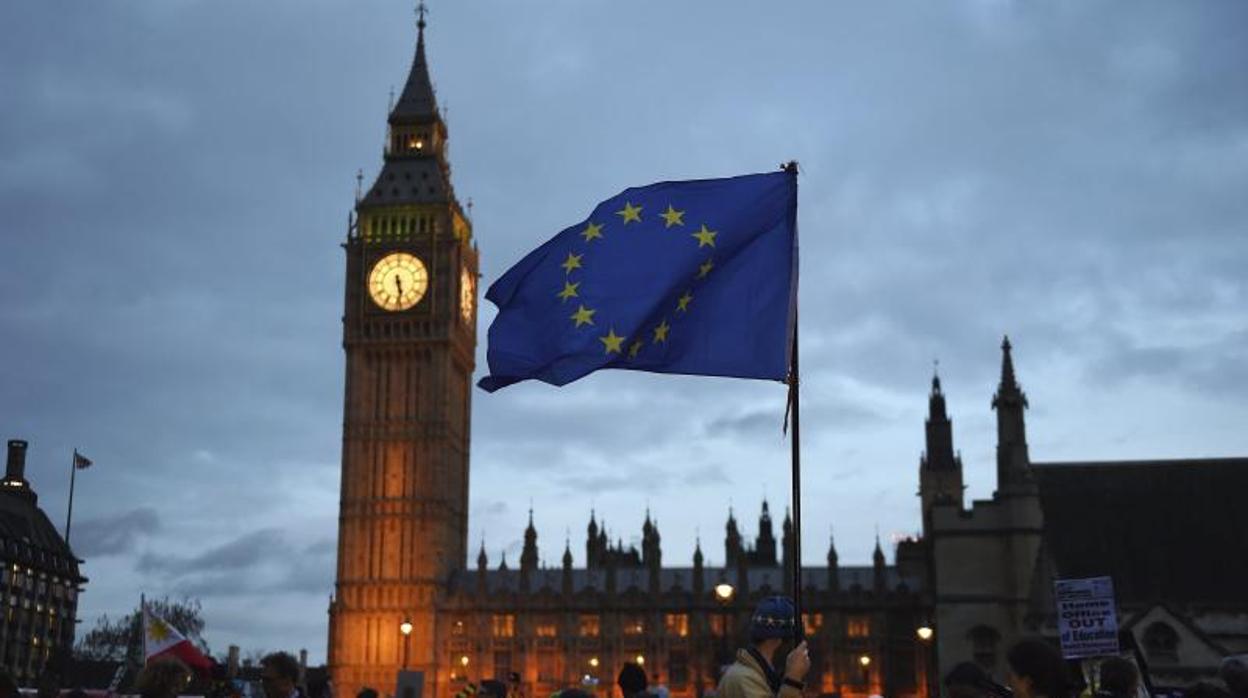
(984,644)
(1161,643)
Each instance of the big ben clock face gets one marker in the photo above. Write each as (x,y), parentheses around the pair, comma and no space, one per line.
(398,281)
(467,295)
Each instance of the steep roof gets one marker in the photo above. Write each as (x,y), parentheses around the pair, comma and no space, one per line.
(416,102)
(1164,530)
(27,536)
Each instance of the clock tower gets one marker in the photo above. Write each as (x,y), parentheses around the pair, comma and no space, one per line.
(409,333)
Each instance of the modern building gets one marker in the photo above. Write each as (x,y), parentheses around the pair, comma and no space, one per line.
(1171,534)
(39,577)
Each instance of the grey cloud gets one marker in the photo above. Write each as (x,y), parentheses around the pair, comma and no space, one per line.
(239,554)
(115,535)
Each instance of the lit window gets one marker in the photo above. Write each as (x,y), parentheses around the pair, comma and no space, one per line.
(634,625)
(676,624)
(812,622)
(858,626)
(589,626)
(546,630)
(504,625)
(720,626)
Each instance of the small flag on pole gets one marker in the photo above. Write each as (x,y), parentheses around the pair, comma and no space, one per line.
(696,277)
(81,462)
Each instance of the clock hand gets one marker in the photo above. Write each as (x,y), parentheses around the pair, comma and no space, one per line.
(398,284)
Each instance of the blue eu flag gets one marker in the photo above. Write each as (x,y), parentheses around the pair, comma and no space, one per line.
(696,277)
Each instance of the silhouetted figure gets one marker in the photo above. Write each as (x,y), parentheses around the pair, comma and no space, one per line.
(1119,679)
(632,681)
(752,674)
(969,680)
(1234,673)
(8,687)
(1204,689)
(163,677)
(279,674)
(1037,670)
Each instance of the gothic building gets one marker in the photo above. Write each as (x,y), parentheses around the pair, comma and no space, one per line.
(561,626)
(409,335)
(980,575)
(1169,533)
(39,578)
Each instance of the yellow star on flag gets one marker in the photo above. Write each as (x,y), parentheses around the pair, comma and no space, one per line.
(705,268)
(630,213)
(682,303)
(660,332)
(572,262)
(612,342)
(591,231)
(672,217)
(157,630)
(569,290)
(705,237)
(635,349)
(583,316)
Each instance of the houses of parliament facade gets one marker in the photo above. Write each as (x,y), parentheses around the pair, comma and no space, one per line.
(407,597)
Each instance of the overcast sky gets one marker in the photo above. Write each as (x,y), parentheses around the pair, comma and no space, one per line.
(175,178)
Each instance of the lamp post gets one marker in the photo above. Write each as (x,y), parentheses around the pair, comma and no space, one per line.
(406,628)
(865,662)
(924,633)
(724,593)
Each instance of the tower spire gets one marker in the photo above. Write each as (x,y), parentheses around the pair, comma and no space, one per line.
(1013,461)
(416,101)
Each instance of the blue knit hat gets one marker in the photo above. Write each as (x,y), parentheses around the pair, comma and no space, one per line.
(773,618)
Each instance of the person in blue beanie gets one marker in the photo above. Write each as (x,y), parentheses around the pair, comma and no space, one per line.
(752,674)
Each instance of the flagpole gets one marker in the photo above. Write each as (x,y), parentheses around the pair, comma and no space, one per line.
(69,515)
(796,443)
(143,624)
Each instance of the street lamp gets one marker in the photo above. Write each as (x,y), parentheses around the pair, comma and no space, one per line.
(865,662)
(641,660)
(406,628)
(724,593)
(924,632)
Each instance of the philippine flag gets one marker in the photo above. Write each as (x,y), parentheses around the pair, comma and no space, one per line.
(163,640)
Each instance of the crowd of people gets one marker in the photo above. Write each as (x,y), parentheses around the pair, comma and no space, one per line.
(1036,669)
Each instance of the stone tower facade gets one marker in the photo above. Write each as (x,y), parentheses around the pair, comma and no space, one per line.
(409,333)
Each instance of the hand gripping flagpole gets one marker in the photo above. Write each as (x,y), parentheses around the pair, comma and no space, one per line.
(799,632)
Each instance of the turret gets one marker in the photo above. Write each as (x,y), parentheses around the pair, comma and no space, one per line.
(483,563)
(732,540)
(528,555)
(940,469)
(567,568)
(1014,474)
(765,548)
(651,552)
(591,543)
(834,566)
(699,577)
(878,571)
